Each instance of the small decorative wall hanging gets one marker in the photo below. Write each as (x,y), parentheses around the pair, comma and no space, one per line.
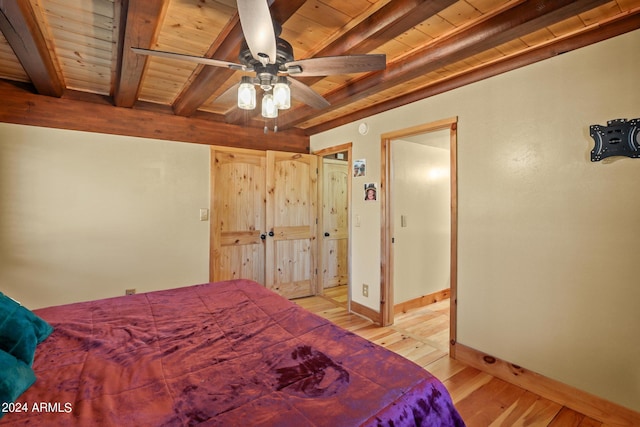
(370,192)
(359,167)
(619,138)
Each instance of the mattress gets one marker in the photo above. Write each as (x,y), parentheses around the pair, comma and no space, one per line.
(219,354)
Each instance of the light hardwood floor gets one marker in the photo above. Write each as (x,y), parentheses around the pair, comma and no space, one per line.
(422,335)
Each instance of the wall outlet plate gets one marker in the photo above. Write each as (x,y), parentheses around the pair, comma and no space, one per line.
(365,290)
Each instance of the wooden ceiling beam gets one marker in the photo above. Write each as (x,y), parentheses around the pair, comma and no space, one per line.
(20,27)
(206,80)
(21,106)
(617,26)
(520,20)
(140,20)
(385,24)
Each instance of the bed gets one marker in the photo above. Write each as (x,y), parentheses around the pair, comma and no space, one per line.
(221,354)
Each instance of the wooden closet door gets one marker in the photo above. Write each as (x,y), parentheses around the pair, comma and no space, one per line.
(237,214)
(292,181)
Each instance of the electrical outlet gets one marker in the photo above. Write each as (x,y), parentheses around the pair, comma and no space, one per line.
(365,290)
(129,291)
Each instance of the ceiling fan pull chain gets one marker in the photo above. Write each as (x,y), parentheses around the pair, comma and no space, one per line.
(275,126)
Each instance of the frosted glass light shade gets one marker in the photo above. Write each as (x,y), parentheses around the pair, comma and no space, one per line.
(246,94)
(269,109)
(282,94)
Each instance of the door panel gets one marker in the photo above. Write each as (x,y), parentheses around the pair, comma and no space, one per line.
(238,214)
(291,219)
(335,219)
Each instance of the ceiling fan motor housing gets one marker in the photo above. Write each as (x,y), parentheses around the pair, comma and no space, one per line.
(284,54)
(267,76)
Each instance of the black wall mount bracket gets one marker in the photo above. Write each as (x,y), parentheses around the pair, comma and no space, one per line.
(621,137)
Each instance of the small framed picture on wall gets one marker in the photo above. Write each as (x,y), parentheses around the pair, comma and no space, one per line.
(359,167)
(370,192)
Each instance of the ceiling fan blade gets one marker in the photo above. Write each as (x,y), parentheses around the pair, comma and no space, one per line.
(257,27)
(330,65)
(190,58)
(304,93)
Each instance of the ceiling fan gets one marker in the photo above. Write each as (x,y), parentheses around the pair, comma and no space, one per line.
(271,59)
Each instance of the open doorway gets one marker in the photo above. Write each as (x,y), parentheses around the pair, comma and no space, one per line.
(333,223)
(420,196)
(396,221)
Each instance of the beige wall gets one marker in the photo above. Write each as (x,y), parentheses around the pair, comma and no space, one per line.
(548,241)
(86,216)
(421,193)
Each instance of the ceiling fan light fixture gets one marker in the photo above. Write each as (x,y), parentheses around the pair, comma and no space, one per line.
(269,109)
(282,94)
(246,94)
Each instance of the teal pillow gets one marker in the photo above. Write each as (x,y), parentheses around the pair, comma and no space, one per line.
(16,378)
(20,330)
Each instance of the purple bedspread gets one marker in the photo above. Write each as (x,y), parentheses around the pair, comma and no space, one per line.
(221,354)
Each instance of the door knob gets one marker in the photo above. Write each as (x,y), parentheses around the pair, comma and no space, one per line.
(263,236)
(326,234)
(271,234)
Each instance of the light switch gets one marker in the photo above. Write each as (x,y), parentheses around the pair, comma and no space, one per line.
(357,221)
(204,214)
(403,220)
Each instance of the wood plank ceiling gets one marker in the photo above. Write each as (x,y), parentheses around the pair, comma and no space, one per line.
(78,51)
